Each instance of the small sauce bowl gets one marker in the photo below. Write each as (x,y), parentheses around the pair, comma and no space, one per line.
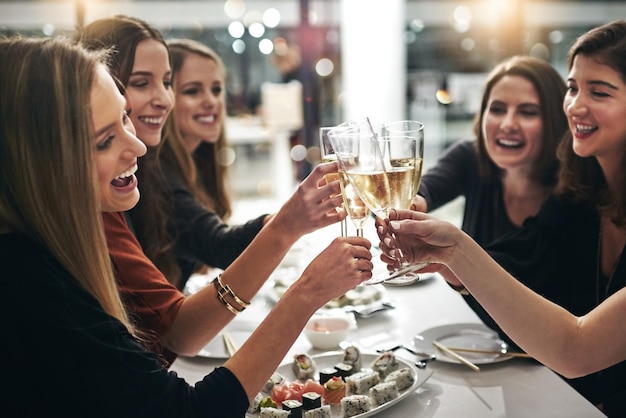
(325,333)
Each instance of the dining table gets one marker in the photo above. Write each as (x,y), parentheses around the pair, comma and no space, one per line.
(515,388)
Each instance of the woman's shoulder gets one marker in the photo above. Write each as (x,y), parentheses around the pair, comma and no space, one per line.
(465,146)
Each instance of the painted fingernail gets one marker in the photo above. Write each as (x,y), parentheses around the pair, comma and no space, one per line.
(394,224)
(380,230)
(387,242)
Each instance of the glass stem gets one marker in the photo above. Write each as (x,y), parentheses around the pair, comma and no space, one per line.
(344,227)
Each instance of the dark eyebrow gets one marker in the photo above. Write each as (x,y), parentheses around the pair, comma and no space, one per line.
(144,73)
(597,83)
(603,83)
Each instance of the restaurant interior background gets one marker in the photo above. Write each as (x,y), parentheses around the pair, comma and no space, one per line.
(440,52)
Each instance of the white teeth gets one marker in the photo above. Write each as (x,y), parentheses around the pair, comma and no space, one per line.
(150,120)
(585,129)
(509,142)
(128,173)
(206,119)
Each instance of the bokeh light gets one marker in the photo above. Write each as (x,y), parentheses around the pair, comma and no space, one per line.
(324,67)
(271,18)
(256,30)
(266,46)
(236,29)
(298,152)
(239,46)
(234,8)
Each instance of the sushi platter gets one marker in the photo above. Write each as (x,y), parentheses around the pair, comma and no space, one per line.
(318,365)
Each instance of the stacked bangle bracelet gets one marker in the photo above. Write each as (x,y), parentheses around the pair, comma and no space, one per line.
(237,304)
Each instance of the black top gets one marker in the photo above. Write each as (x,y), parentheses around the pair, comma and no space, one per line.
(456,174)
(202,237)
(67,358)
(556,255)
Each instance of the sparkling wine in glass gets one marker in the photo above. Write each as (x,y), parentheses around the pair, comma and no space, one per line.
(357,210)
(362,168)
(402,145)
(328,156)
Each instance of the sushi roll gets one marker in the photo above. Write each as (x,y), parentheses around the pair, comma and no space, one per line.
(334,390)
(361,382)
(274,379)
(255,405)
(403,378)
(385,364)
(344,369)
(294,407)
(355,405)
(383,393)
(273,413)
(352,356)
(321,412)
(311,400)
(303,367)
(267,403)
(327,373)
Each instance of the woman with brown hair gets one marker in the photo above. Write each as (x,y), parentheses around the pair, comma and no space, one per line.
(508,171)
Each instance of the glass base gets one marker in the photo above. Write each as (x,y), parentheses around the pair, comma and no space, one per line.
(402,277)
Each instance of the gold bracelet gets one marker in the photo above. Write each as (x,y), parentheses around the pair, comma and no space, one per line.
(223,290)
(240,301)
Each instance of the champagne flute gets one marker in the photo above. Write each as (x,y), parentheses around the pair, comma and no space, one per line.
(328,155)
(403,164)
(362,167)
(357,210)
(403,149)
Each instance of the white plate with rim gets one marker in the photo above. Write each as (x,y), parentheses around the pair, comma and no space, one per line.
(471,335)
(331,358)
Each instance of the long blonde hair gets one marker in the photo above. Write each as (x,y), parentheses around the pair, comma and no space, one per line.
(47,175)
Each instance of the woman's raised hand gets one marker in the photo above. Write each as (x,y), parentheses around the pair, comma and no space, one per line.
(421,237)
(315,204)
(342,266)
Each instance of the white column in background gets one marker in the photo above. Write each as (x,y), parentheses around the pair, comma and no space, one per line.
(373,56)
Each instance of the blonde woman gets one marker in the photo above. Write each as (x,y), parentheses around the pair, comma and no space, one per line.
(67,154)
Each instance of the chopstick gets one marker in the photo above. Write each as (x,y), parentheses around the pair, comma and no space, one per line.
(231,347)
(502,353)
(456,356)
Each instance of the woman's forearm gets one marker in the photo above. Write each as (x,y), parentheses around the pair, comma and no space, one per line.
(203,315)
(266,348)
(548,332)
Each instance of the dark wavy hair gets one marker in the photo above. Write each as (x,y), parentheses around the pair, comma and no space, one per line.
(550,88)
(582,179)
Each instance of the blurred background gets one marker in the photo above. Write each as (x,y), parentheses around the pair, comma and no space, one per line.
(386,59)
